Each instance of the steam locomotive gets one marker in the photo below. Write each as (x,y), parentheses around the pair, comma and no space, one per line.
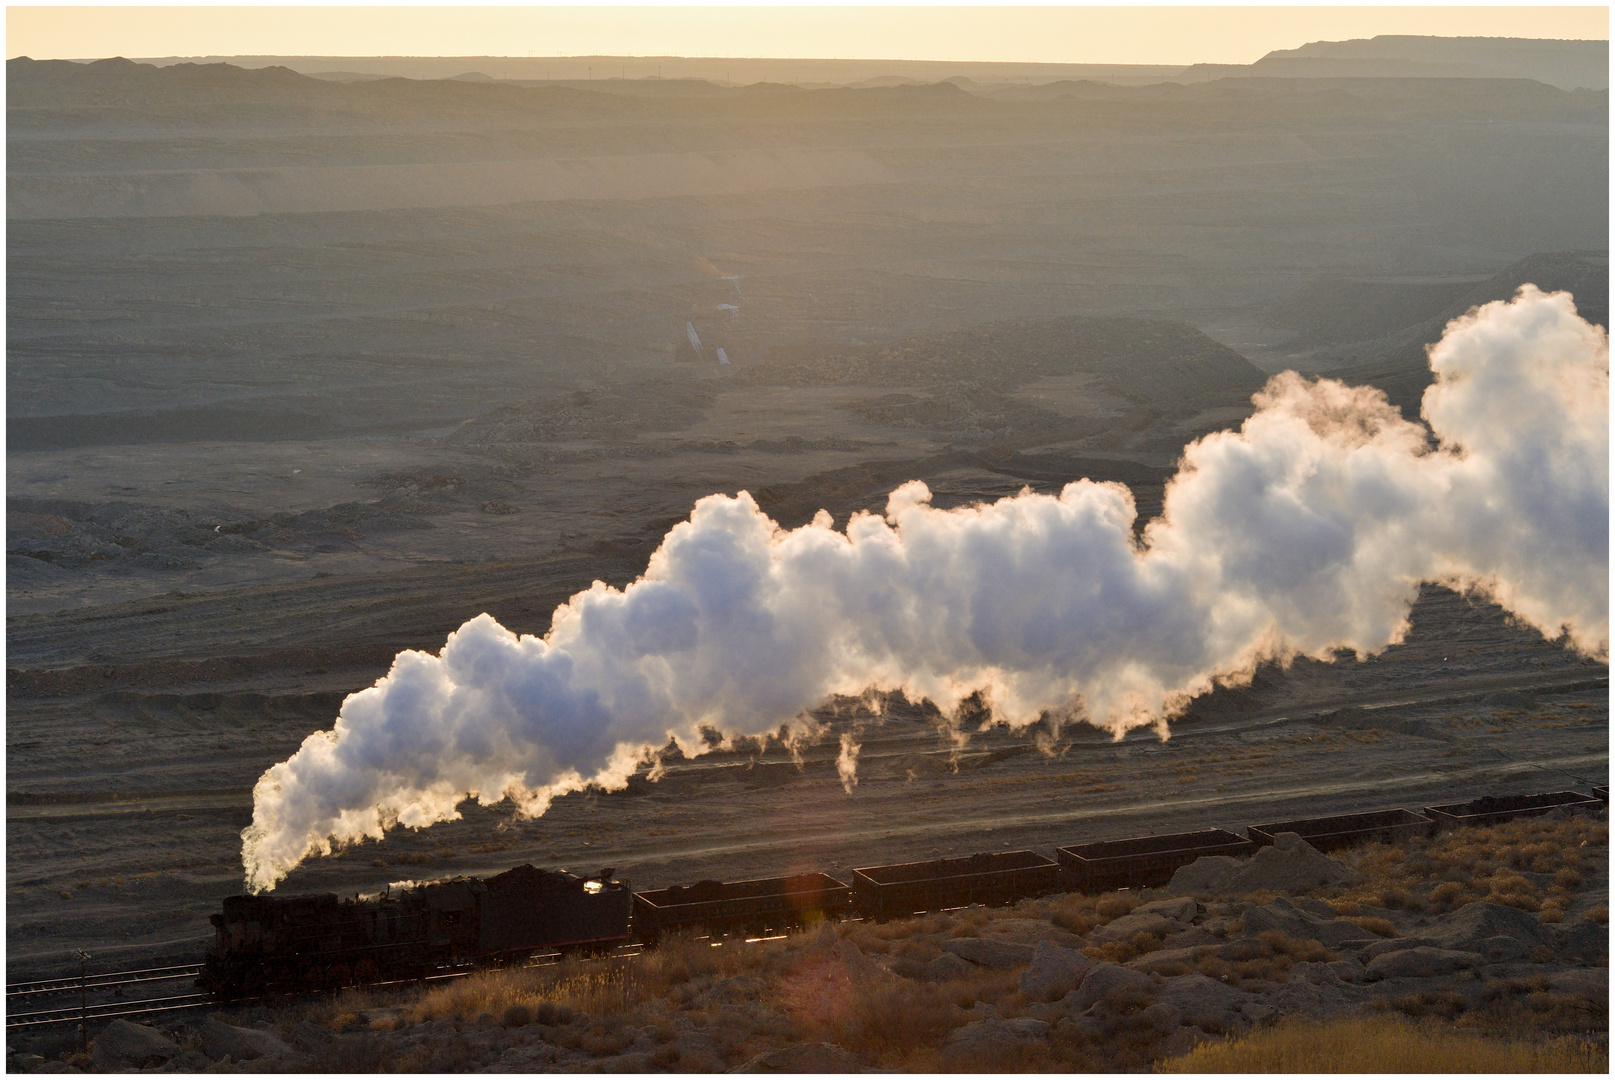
(268,945)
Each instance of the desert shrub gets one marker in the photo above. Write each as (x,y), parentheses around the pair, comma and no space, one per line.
(1119,952)
(1513,890)
(889,1024)
(518,1014)
(1568,877)
(1500,988)
(1173,967)
(969,922)
(1074,912)
(1399,899)
(996,987)
(552,1015)
(342,1021)
(1385,1044)
(1566,1012)
(1125,1000)
(922,951)
(604,1043)
(1246,949)
(1374,925)
(1446,1004)
(1301,949)
(1448,896)
(1265,958)
(1243,974)
(1113,906)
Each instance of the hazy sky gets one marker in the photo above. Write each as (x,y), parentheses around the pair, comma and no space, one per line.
(1100,35)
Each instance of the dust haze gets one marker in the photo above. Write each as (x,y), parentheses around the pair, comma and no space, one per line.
(308,367)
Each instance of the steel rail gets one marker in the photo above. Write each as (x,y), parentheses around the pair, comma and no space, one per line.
(205,1000)
(133,971)
(91,1010)
(97,982)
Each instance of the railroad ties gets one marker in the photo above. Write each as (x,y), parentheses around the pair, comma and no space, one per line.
(103,996)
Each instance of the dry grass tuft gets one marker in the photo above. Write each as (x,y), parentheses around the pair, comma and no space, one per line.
(1386,1045)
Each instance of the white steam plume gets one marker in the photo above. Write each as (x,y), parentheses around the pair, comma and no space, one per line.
(1307,531)
(847,762)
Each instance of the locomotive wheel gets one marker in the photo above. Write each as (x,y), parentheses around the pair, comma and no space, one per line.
(339,976)
(366,972)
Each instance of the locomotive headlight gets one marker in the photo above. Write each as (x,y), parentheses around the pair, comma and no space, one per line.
(592,887)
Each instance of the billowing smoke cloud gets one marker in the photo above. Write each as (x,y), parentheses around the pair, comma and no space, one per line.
(1307,531)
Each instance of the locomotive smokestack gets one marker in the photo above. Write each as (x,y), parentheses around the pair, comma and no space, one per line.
(1308,530)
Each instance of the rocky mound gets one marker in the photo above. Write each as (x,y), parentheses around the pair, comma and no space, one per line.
(1403,371)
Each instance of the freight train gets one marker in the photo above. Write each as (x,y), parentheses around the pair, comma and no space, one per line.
(268,945)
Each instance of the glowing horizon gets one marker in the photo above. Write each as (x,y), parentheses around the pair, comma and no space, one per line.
(1061,35)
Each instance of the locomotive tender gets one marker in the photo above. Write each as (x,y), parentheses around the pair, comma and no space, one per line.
(267,945)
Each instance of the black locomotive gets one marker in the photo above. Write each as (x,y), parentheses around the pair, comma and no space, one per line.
(268,944)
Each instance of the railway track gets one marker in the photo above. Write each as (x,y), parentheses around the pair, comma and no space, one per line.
(101,996)
(112,995)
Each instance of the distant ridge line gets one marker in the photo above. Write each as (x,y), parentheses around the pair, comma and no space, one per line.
(1568,64)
